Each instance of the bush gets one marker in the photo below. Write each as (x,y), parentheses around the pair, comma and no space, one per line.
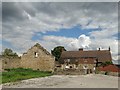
(106,63)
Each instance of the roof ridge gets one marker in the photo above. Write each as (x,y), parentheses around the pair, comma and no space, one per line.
(39,46)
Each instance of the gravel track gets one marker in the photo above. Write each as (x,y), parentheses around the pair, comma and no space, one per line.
(67,81)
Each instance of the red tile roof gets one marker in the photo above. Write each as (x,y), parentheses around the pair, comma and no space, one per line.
(110,68)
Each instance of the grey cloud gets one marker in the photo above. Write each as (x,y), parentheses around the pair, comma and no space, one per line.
(12,11)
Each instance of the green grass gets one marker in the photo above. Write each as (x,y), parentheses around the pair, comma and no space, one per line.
(18,74)
(0,77)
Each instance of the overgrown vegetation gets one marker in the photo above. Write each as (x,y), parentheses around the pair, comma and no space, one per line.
(12,75)
(106,63)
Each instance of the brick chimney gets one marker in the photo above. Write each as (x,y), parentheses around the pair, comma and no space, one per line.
(80,49)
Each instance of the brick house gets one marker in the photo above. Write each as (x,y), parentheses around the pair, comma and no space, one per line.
(79,60)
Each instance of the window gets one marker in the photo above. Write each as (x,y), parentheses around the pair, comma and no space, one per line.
(36,54)
(5,62)
(66,66)
(68,60)
(95,61)
(70,66)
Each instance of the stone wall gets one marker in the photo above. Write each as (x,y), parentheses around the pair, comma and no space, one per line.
(69,72)
(79,66)
(89,66)
(0,65)
(10,63)
(109,73)
(43,61)
(75,70)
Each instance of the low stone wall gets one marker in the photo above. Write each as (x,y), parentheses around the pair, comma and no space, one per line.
(10,63)
(109,73)
(59,71)
(76,69)
(40,64)
(69,72)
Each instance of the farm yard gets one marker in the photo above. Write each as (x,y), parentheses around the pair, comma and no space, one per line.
(67,81)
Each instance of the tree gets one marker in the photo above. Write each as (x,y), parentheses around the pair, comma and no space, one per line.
(106,63)
(57,52)
(9,53)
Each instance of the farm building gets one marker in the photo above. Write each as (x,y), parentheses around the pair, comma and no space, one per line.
(38,58)
(110,70)
(79,60)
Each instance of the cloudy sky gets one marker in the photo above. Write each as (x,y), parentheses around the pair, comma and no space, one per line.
(74,25)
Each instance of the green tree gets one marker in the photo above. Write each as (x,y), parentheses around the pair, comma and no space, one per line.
(106,63)
(9,53)
(57,52)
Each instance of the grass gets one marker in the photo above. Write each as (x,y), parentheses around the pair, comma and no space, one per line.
(18,74)
(0,77)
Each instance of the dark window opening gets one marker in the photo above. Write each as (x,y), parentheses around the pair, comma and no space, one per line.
(36,54)
(5,62)
(70,66)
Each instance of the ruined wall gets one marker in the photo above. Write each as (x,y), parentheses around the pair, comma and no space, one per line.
(43,61)
(79,66)
(0,65)
(89,66)
(10,63)
(36,58)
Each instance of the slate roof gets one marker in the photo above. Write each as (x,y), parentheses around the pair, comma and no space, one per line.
(102,55)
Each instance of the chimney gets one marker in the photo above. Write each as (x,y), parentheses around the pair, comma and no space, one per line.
(109,48)
(80,49)
(99,49)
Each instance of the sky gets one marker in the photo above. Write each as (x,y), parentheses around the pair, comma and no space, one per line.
(74,25)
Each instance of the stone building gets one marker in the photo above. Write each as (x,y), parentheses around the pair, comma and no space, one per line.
(84,60)
(38,58)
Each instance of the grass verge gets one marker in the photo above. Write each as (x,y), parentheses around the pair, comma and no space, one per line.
(12,75)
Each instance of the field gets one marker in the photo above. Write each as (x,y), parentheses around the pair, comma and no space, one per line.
(12,75)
